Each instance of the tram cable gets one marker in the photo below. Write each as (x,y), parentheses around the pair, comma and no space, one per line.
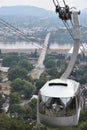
(68,28)
(84,50)
(21,34)
(64,20)
(12,27)
(51,116)
(70,31)
(51,103)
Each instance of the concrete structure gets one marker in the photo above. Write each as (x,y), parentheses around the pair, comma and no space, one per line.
(39,67)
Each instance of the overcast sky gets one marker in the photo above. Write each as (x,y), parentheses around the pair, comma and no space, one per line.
(47,4)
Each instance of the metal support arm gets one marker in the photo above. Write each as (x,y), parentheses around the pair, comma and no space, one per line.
(76,46)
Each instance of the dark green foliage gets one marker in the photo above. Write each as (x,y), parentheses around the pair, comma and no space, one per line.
(33,109)
(17,85)
(10,59)
(0,76)
(55,66)
(29,112)
(80,74)
(25,112)
(39,83)
(19,65)
(83,116)
(50,62)
(61,64)
(28,89)
(14,98)
(25,64)
(83,126)
(17,72)
(18,111)
(34,54)
(7,123)
(53,72)
(22,87)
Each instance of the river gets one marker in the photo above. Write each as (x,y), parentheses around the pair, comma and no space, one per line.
(24,45)
(19,45)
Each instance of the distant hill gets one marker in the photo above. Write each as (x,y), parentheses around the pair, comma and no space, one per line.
(29,15)
(28,11)
(24,10)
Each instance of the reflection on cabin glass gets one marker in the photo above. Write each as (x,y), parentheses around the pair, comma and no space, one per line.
(55,107)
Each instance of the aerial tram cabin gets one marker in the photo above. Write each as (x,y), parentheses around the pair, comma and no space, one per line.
(60,102)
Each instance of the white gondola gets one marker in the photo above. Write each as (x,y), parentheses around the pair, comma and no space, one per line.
(60,100)
(60,103)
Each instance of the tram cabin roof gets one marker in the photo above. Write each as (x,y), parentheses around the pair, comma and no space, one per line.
(60,88)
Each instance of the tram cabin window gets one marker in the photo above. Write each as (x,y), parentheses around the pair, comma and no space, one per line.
(57,107)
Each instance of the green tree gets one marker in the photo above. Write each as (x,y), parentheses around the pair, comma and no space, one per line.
(39,84)
(17,72)
(51,63)
(25,64)
(83,116)
(80,74)
(33,109)
(17,85)
(53,72)
(9,59)
(22,87)
(83,126)
(7,123)
(34,54)
(29,89)
(14,98)
(18,109)
(0,76)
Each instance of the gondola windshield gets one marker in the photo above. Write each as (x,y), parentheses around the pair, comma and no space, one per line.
(57,107)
